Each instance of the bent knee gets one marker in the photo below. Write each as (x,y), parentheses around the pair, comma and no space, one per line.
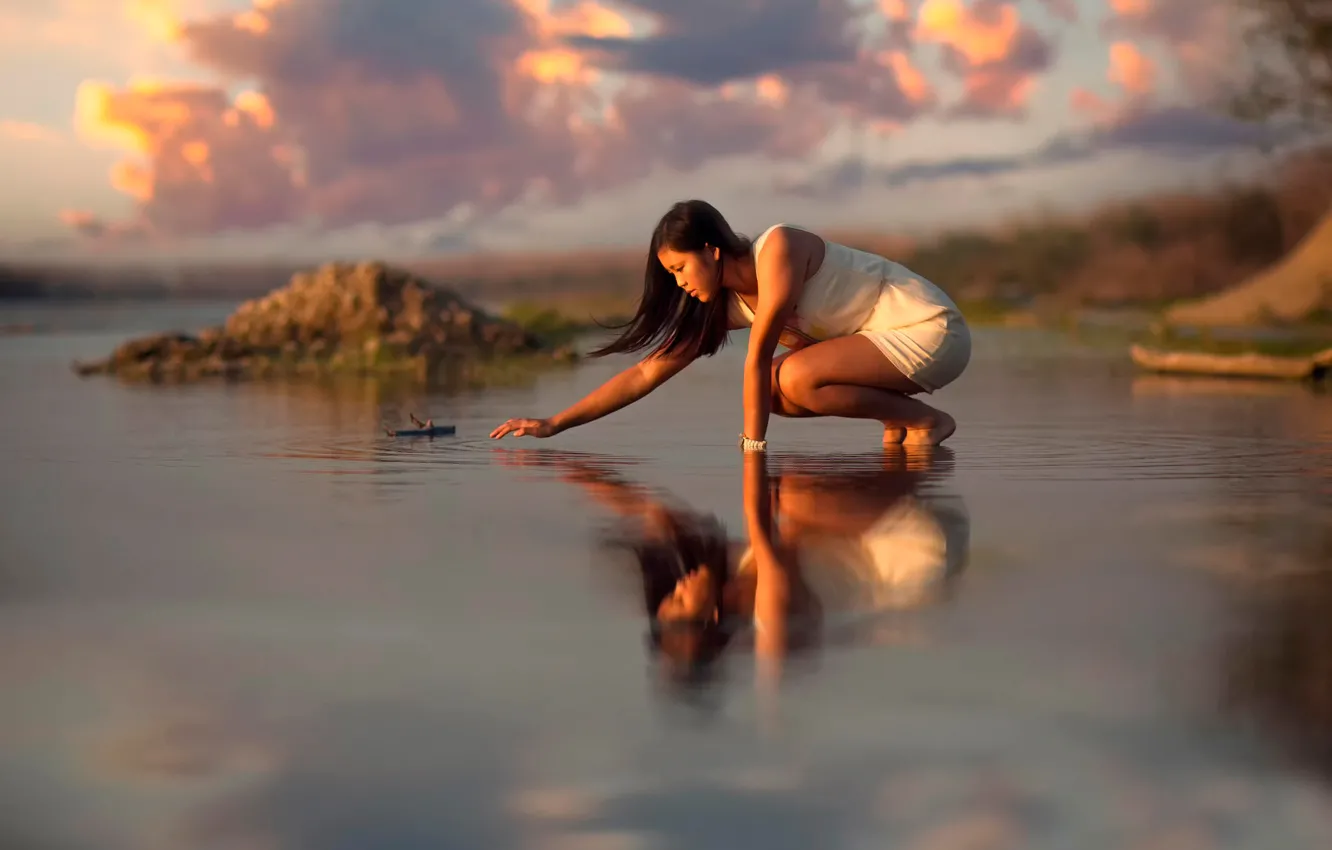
(783,406)
(795,382)
(783,403)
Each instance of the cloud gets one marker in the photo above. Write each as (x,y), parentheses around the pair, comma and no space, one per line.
(1130,70)
(83,222)
(158,19)
(895,10)
(28,131)
(392,112)
(205,162)
(126,30)
(1132,73)
(986,44)
(389,112)
(1087,102)
(49,24)
(1178,130)
(1172,131)
(1200,35)
(1065,10)
(707,43)
(102,234)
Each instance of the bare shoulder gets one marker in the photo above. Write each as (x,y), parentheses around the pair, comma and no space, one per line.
(791,247)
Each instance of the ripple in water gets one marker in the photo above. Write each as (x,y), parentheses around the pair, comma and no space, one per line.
(386,455)
(1064,451)
(1120,455)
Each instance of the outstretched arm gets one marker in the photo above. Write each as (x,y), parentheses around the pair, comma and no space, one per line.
(620,391)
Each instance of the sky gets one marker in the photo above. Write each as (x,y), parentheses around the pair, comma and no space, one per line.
(325,128)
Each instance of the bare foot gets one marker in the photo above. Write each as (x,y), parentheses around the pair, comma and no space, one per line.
(893,434)
(932,436)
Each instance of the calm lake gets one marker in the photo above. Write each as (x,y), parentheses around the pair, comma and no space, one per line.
(240,616)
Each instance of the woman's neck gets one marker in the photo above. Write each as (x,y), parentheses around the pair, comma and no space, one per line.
(740,275)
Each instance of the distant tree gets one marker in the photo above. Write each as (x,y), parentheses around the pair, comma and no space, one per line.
(1288,73)
(1285,77)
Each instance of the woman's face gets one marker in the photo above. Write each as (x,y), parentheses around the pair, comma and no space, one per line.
(695,272)
(694,598)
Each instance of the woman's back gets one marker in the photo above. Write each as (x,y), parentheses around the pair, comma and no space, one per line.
(848,287)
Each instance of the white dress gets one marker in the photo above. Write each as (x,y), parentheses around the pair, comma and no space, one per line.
(911,320)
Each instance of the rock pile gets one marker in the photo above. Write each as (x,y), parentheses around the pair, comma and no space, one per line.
(368,317)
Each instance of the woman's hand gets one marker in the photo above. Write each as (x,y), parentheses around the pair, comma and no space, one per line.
(525,428)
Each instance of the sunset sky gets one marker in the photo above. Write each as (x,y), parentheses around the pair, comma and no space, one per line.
(318,127)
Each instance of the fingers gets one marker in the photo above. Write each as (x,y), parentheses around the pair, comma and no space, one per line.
(516,427)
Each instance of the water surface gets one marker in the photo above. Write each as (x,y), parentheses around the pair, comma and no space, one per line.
(240,616)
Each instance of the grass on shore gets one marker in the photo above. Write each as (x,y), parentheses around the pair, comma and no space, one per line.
(1297,342)
(455,372)
(558,320)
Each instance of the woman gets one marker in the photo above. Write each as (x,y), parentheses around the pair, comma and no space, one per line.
(865,334)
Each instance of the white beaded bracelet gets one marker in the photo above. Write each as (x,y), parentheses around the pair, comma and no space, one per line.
(753,445)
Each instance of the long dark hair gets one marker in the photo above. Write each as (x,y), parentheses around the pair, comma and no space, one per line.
(667,319)
(690,541)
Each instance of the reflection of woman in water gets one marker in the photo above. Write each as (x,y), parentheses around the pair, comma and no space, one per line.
(822,544)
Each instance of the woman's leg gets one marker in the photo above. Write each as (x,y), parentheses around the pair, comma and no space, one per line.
(850,377)
(781,405)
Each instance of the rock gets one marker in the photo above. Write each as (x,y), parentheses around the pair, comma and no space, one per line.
(156,347)
(367,317)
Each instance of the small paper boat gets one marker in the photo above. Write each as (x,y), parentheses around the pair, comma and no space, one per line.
(427,428)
